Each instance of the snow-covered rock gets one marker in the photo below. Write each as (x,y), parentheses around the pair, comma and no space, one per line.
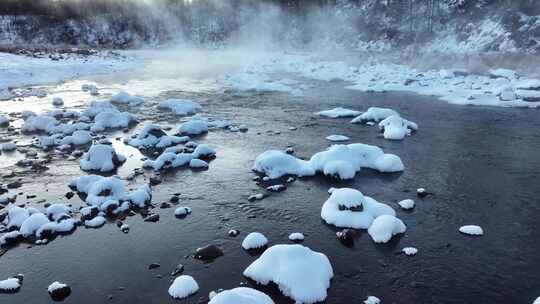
(336,137)
(32,224)
(396,128)
(338,112)
(296,237)
(112,119)
(276,163)
(194,126)
(374,114)
(471,230)
(123,97)
(300,273)
(372,300)
(39,123)
(153,136)
(10,285)
(254,240)
(181,106)
(353,157)
(183,286)
(528,95)
(140,197)
(78,138)
(59,291)
(99,189)
(406,204)
(16,216)
(349,208)
(101,158)
(53,228)
(410,251)
(182,211)
(384,227)
(240,295)
(96,222)
(198,163)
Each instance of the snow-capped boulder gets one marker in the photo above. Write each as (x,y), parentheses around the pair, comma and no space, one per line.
(296,237)
(183,286)
(39,123)
(374,114)
(96,222)
(16,216)
(99,189)
(203,152)
(194,126)
(32,224)
(153,136)
(198,164)
(140,197)
(336,137)
(471,230)
(372,300)
(53,228)
(182,211)
(396,128)
(254,240)
(101,158)
(9,238)
(123,97)
(181,106)
(240,295)
(96,107)
(78,138)
(112,119)
(338,112)
(410,251)
(384,227)
(349,208)
(354,157)
(59,291)
(11,285)
(276,164)
(300,273)
(406,204)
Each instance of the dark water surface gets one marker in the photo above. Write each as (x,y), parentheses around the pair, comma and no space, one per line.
(483,164)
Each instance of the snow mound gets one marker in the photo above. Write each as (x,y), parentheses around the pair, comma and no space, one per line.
(241,295)
(172,160)
(300,273)
(254,240)
(32,224)
(406,204)
(337,138)
(55,286)
(296,236)
(396,128)
(276,163)
(183,286)
(123,97)
(152,136)
(181,106)
(78,138)
(194,126)
(353,157)
(96,222)
(101,158)
(374,114)
(182,211)
(338,112)
(100,189)
(39,123)
(112,119)
(10,285)
(410,251)
(384,227)
(16,217)
(471,230)
(349,208)
(372,300)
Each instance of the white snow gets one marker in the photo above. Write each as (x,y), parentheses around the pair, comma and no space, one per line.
(338,113)
(66,225)
(181,106)
(374,114)
(96,222)
(300,273)
(471,230)
(55,286)
(537,301)
(183,286)
(123,97)
(384,227)
(349,208)
(16,216)
(241,295)
(296,236)
(32,224)
(101,158)
(99,189)
(140,197)
(9,236)
(38,123)
(194,126)
(254,240)
(276,163)
(372,300)
(336,137)
(396,128)
(10,284)
(198,163)
(112,119)
(78,138)
(410,251)
(406,204)
(181,211)
(153,136)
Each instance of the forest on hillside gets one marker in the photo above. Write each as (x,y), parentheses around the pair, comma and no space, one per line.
(498,25)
